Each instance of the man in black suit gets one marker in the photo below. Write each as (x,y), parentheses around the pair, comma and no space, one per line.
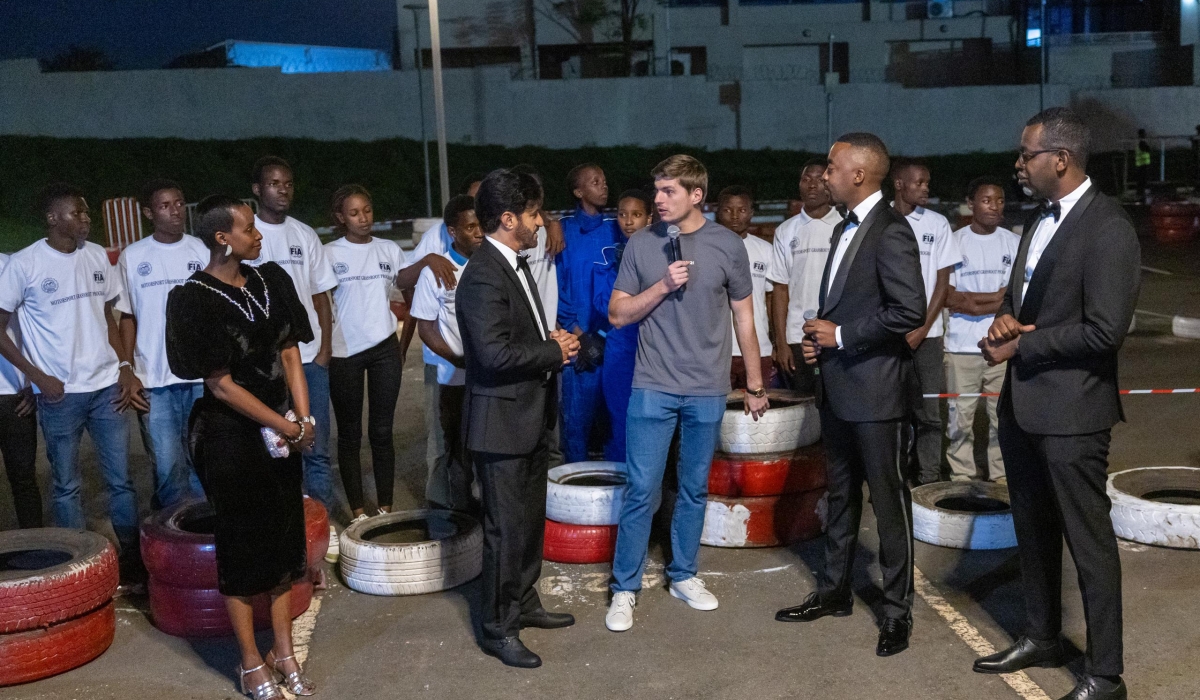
(512,359)
(872,294)
(1063,319)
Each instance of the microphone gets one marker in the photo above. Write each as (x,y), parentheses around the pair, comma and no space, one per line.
(809,315)
(676,250)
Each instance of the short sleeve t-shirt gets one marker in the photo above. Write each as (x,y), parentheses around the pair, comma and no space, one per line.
(801,249)
(148,270)
(59,301)
(686,342)
(938,250)
(432,302)
(296,248)
(12,380)
(760,253)
(985,267)
(366,273)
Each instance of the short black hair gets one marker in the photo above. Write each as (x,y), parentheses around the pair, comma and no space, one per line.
(54,193)
(639,195)
(146,198)
(979,182)
(470,179)
(1062,128)
(821,163)
(214,213)
(455,207)
(505,191)
(735,191)
(899,165)
(263,164)
(574,173)
(866,140)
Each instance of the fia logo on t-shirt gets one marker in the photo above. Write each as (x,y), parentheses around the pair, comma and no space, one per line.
(195,266)
(340,268)
(760,267)
(1007,259)
(927,238)
(386,267)
(98,277)
(145,269)
(966,262)
(296,251)
(49,285)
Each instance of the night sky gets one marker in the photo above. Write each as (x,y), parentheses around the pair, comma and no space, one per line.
(149,33)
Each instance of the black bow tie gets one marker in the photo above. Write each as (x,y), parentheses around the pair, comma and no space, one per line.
(851,218)
(1052,209)
(522,262)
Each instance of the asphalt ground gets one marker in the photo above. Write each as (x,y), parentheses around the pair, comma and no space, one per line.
(360,646)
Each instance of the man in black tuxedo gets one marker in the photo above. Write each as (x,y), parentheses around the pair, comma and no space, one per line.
(872,294)
(1063,319)
(512,360)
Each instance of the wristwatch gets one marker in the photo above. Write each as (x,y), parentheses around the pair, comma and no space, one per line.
(310,420)
(757,393)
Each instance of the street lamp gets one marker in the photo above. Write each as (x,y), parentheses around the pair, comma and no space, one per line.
(421,101)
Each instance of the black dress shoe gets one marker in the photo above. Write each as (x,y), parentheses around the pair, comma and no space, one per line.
(893,636)
(542,619)
(1024,654)
(511,652)
(1093,688)
(815,607)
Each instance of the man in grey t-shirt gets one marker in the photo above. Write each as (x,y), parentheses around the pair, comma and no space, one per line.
(682,298)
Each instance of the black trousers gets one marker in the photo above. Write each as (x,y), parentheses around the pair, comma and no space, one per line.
(457,472)
(514,522)
(1057,487)
(382,368)
(804,379)
(855,452)
(923,439)
(18,444)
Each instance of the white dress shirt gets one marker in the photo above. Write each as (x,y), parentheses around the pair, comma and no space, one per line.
(511,256)
(864,207)
(1046,228)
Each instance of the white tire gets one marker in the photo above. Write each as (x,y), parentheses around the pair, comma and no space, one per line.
(792,421)
(586,493)
(963,515)
(1137,517)
(411,552)
(1185,327)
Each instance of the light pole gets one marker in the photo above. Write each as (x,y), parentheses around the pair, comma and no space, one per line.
(439,104)
(421,101)
(1042,44)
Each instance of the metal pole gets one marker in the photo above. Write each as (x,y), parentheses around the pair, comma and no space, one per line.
(1042,34)
(829,99)
(439,105)
(421,102)
(1162,160)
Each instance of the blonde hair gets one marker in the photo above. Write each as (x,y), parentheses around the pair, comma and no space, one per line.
(690,172)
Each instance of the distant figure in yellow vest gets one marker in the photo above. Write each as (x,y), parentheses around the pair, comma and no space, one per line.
(1141,167)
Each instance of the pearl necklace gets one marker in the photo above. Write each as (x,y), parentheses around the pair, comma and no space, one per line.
(247,310)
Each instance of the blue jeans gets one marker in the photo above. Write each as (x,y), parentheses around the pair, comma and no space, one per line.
(318,472)
(582,399)
(652,417)
(165,433)
(62,427)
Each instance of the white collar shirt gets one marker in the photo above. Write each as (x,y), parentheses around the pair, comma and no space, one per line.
(1046,228)
(864,207)
(511,256)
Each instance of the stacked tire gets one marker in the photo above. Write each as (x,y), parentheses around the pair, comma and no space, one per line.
(583,507)
(179,552)
(56,609)
(411,552)
(766,486)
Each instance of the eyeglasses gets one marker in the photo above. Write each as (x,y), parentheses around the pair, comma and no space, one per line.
(1024,157)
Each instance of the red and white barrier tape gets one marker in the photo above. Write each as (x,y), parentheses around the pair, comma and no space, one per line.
(1125,392)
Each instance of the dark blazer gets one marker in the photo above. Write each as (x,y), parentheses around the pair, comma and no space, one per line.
(509,400)
(1063,379)
(877,296)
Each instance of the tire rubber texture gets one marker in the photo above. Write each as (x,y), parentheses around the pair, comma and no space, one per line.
(579,544)
(411,568)
(792,422)
(185,559)
(1153,522)
(30,599)
(201,612)
(1185,327)
(763,521)
(767,475)
(573,503)
(962,529)
(35,654)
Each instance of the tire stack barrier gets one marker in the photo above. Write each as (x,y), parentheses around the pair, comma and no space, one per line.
(411,552)
(1157,505)
(56,609)
(963,515)
(179,552)
(1174,223)
(766,486)
(583,507)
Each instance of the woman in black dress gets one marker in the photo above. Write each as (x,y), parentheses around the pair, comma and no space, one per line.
(236,327)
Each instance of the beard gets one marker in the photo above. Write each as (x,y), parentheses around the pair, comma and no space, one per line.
(526,236)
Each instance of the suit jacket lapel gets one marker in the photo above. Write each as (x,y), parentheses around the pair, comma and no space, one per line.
(839,276)
(1017,278)
(1037,283)
(511,274)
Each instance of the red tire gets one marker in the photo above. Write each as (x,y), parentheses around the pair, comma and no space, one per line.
(49,575)
(41,653)
(579,544)
(200,612)
(767,475)
(763,521)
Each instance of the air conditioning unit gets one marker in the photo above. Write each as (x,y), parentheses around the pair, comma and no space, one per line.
(939,9)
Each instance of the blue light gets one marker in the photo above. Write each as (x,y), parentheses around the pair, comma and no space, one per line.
(1033,37)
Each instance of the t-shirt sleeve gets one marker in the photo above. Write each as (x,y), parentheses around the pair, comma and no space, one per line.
(628,279)
(281,286)
(12,286)
(948,253)
(197,346)
(426,303)
(124,303)
(428,244)
(320,271)
(780,269)
(740,282)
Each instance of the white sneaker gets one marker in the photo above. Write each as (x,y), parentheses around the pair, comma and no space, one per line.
(361,518)
(693,592)
(331,554)
(620,613)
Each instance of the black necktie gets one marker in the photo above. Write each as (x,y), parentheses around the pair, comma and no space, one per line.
(523,266)
(1053,209)
(851,218)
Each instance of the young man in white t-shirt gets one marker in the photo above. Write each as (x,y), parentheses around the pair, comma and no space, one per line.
(449,486)
(797,264)
(62,289)
(148,270)
(295,247)
(976,290)
(939,255)
(18,433)
(735,209)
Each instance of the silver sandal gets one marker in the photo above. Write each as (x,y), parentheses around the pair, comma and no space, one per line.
(296,682)
(267,690)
